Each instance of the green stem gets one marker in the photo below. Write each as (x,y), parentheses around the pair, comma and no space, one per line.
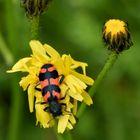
(60,137)
(109,63)
(34,27)
(68,135)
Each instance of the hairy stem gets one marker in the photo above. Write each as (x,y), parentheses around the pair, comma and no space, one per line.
(34,27)
(108,65)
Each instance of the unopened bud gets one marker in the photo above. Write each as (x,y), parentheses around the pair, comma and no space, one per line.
(34,7)
(116,35)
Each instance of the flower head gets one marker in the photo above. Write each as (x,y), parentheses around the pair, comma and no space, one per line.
(72,88)
(116,35)
(34,7)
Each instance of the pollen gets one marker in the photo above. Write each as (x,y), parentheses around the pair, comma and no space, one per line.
(116,35)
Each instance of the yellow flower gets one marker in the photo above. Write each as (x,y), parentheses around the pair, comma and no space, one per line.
(116,35)
(72,88)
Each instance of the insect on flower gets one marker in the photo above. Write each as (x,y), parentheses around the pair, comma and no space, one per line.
(60,86)
(49,81)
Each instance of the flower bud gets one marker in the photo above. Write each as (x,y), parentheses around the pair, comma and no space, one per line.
(34,7)
(116,35)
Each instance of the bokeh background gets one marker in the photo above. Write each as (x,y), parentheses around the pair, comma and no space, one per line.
(73,27)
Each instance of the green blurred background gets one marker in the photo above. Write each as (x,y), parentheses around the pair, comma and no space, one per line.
(73,27)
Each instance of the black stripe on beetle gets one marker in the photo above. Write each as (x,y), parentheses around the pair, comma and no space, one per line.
(53,74)
(50,88)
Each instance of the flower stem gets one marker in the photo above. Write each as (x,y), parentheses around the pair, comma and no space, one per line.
(34,27)
(109,63)
(59,137)
(68,136)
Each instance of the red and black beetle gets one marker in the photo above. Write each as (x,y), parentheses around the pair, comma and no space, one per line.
(49,82)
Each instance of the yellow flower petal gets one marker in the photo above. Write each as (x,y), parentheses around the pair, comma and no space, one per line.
(59,65)
(34,62)
(51,51)
(42,116)
(34,71)
(65,100)
(87,98)
(75,95)
(67,109)
(31,90)
(74,110)
(39,97)
(64,89)
(72,119)
(62,123)
(71,122)
(69,126)
(74,82)
(78,82)
(77,64)
(70,85)
(70,105)
(82,77)
(26,81)
(67,63)
(114,26)
(39,51)
(20,65)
